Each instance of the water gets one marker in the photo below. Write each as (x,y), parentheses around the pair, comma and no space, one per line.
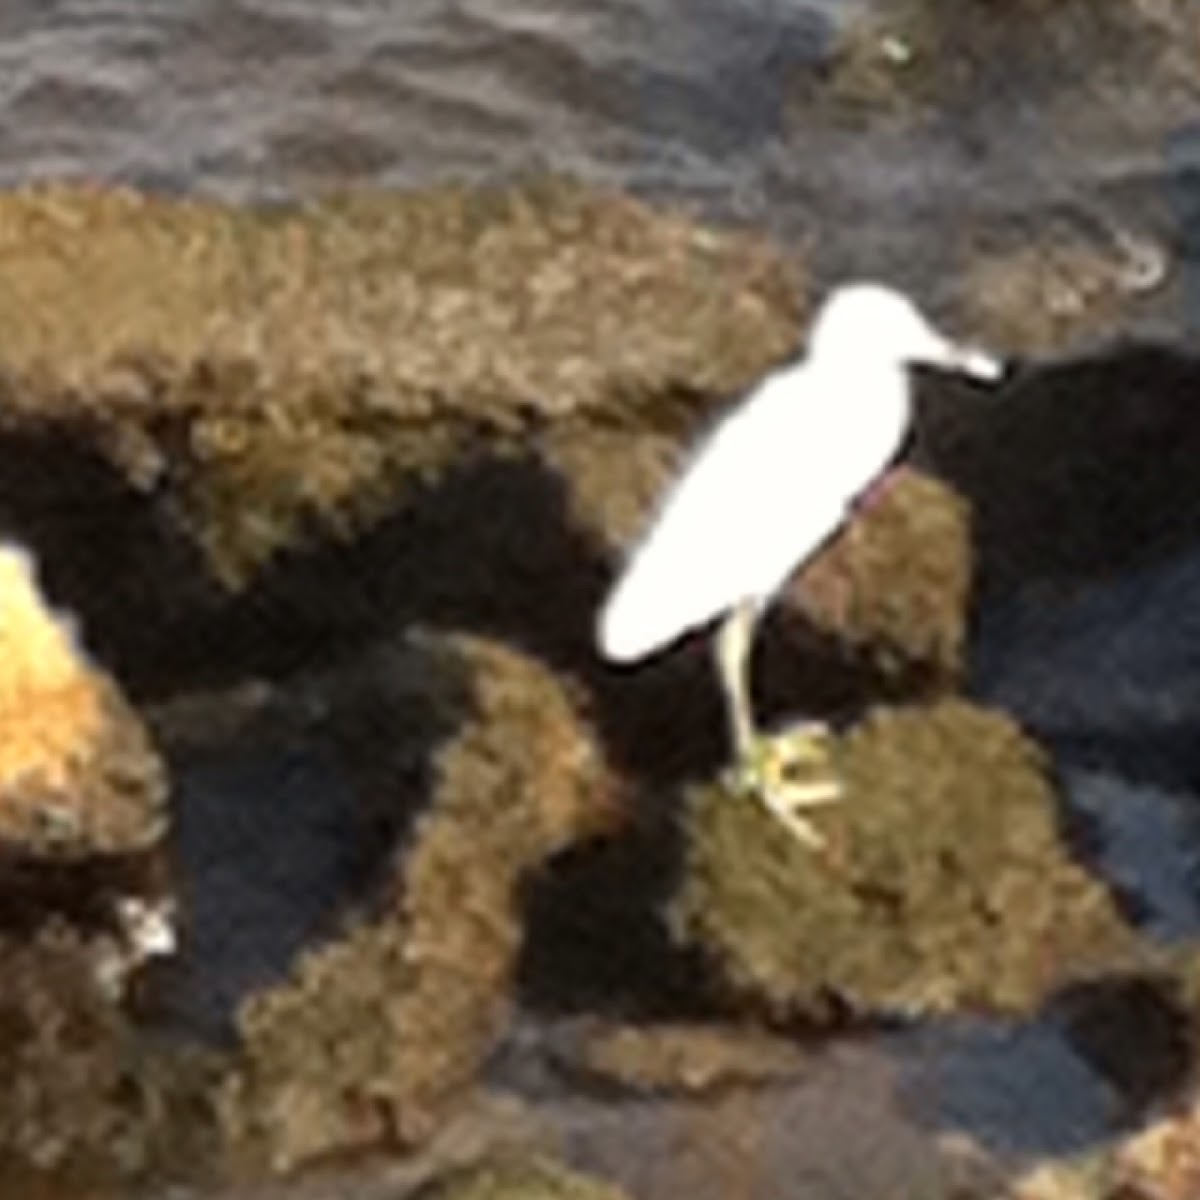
(251,99)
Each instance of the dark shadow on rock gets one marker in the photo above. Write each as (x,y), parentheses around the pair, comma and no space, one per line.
(269,847)
(488,548)
(597,938)
(113,556)
(1135,1031)
(293,822)
(84,894)
(1075,470)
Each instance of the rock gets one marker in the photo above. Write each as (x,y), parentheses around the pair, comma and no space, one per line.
(86,1104)
(614,479)
(379,1032)
(83,792)
(259,371)
(520,1179)
(61,1051)
(946,886)
(685,1057)
(78,773)
(895,583)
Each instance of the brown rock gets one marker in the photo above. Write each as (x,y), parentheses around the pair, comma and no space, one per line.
(520,1179)
(378,1033)
(87,1108)
(946,885)
(272,368)
(685,1057)
(896,580)
(615,478)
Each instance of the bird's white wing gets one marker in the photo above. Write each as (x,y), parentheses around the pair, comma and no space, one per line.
(769,485)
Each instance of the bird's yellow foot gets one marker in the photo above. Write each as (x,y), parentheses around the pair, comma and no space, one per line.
(791,771)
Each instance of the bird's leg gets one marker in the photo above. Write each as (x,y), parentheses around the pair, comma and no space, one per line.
(765,766)
(733,658)
(876,491)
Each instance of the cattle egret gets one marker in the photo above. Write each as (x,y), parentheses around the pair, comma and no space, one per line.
(762,493)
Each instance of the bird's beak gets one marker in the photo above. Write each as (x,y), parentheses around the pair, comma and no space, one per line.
(970,360)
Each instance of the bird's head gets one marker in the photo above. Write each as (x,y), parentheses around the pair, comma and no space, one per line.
(872,320)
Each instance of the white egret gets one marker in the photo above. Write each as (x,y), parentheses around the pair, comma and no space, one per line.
(762,493)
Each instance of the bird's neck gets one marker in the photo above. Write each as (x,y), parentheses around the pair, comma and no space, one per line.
(863,380)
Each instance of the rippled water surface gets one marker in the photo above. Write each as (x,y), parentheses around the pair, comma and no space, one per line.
(251,98)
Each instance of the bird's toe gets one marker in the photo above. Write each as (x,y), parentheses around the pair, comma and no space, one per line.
(790,772)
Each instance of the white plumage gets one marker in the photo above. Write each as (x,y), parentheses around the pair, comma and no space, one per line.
(775,479)
(768,486)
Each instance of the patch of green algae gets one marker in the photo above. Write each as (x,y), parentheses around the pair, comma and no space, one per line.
(946,884)
(520,1179)
(376,1034)
(279,368)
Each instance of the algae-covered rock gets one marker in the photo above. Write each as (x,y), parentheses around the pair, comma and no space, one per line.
(377,1033)
(86,1103)
(61,1044)
(78,773)
(946,884)
(265,371)
(896,580)
(615,478)
(520,1179)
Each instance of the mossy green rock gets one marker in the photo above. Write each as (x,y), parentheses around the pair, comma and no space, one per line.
(945,883)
